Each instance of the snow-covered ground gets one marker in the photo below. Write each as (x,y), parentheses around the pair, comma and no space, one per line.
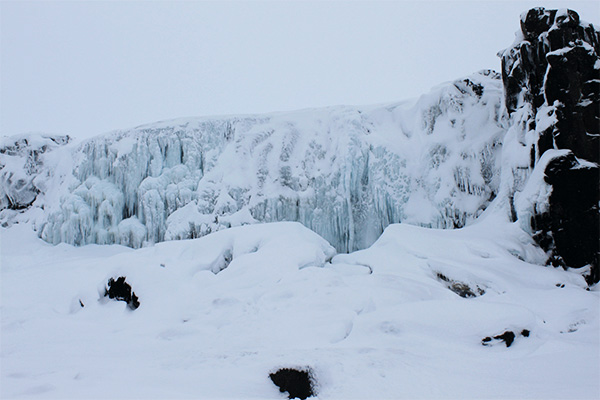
(219,313)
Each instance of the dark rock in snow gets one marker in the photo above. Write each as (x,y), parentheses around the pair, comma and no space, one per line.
(508,337)
(553,75)
(297,383)
(460,288)
(121,290)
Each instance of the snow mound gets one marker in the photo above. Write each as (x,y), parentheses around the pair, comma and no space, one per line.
(220,313)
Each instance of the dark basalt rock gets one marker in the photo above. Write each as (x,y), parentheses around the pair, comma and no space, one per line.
(121,290)
(553,75)
(20,190)
(573,215)
(536,21)
(508,337)
(568,230)
(297,383)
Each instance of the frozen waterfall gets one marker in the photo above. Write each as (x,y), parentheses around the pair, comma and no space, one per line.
(344,172)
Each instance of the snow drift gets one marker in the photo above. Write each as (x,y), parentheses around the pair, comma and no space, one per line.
(218,314)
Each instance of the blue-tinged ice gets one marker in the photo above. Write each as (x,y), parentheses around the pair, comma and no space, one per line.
(344,172)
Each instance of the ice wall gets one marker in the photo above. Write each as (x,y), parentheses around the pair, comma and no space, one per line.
(344,172)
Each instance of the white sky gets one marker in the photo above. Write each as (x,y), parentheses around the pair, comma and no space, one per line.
(84,68)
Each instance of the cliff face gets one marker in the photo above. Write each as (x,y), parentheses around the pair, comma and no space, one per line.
(344,172)
(551,78)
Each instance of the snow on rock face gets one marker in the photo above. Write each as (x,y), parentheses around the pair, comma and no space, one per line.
(21,168)
(554,71)
(551,80)
(344,172)
(559,207)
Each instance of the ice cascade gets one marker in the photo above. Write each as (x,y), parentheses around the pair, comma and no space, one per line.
(344,172)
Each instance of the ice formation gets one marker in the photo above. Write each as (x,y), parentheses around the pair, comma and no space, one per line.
(344,172)
(20,165)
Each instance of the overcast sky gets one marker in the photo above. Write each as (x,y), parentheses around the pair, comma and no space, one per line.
(84,68)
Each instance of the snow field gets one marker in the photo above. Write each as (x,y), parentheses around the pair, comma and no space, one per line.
(219,313)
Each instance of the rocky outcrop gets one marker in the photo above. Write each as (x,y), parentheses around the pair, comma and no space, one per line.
(551,78)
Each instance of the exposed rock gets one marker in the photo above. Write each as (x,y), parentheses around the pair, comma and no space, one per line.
(536,21)
(460,288)
(508,337)
(562,193)
(121,290)
(298,383)
(573,214)
(552,76)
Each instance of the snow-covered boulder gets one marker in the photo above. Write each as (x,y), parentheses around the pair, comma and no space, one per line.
(298,383)
(22,175)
